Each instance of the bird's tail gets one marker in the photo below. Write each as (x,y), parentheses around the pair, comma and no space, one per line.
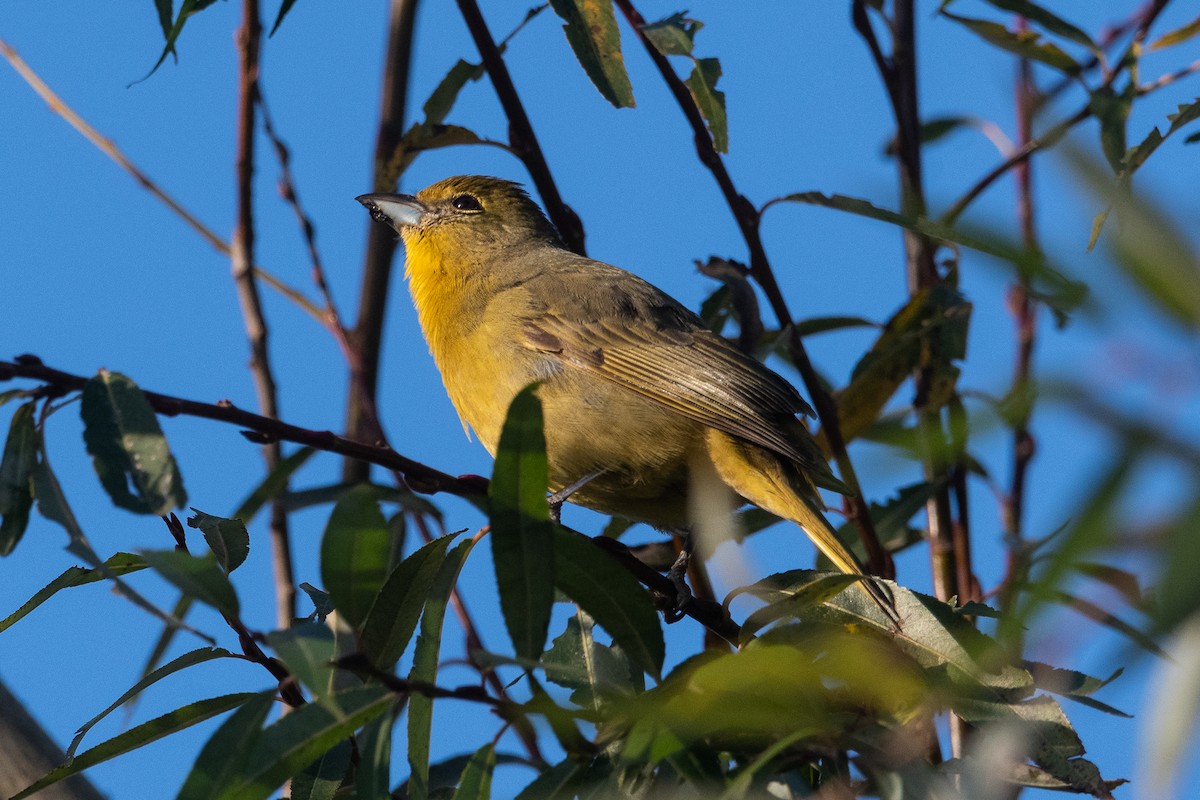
(768,481)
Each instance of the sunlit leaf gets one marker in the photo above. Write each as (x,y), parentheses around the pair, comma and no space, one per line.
(591,29)
(355,552)
(128,448)
(1048,20)
(1026,44)
(1178,36)
(522,547)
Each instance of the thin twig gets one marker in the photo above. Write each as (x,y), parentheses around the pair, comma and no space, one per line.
(520,131)
(249,39)
(107,147)
(747,218)
(418,476)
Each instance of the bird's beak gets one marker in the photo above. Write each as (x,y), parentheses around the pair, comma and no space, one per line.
(396,210)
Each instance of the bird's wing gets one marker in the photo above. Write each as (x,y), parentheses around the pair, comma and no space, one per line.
(635,335)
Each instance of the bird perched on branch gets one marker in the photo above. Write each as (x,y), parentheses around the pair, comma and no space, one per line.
(637,392)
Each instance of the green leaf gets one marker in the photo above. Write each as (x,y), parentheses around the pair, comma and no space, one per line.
(1112,112)
(227,538)
(183,662)
(118,564)
(299,738)
(425,667)
(284,8)
(128,448)
(591,29)
(607,592)
(1073,685)
(799,598)
(570,778)
(476,781)
(426,136)
(522,547)
(307,650)
(814,325)
(702,83)
(393,616)
(16,477)
(441,101)
(355,552)
(322,605)
(1178,36)
(673,36)
(595,672)
(226,752)
(186,10)
(1026,44)
(373,774)
(273,484)
(320,780)
(132,739)
(164,9)
(933,129)
(1048,20)
(200,578)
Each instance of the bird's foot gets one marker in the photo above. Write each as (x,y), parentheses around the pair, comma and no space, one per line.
(557,499)
(677,574)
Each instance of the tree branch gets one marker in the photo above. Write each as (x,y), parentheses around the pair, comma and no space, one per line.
(747,218)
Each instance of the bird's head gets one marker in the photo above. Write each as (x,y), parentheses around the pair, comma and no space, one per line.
(466,210)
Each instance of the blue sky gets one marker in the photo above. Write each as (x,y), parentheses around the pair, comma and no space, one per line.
(99,274)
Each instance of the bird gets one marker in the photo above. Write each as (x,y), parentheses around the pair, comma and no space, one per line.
(643,404)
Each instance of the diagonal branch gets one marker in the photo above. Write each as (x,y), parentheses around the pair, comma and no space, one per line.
(520,131)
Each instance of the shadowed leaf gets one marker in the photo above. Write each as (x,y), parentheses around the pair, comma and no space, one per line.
(16,477)
(118,564)
(225,753)
(200,578)
(702,83)
(227,538)
(522,547)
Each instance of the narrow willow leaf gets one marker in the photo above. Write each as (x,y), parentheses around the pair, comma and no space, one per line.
(1178,36)
(224,755)
(798,600)
(476,780)
(355,552)
(141,735)
(1112,111)
(227,538)
(183,662)
(164,9)
(373,774)
(307,650)
(673,36)
(702,83)
(441,100)
(393,616)
(272,485)
(1026,44)
(16,477)
(118,564)
(320,780)
(200,578)
(1048,20)
(522,545)
(284,8)
(187,9)
(299,738)
(128,448)
(591,28)
(425,667)
(427,136)
(933,129)
(607,592)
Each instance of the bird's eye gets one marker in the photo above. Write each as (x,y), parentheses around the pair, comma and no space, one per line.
(466,202)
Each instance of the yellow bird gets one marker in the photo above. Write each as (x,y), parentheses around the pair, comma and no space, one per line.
(635,389)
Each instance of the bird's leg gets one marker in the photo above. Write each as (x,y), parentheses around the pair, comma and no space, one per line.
(677,574)
(558,498)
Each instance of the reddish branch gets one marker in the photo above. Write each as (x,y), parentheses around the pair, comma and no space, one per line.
(748,219)
(264,429)
(520,132)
